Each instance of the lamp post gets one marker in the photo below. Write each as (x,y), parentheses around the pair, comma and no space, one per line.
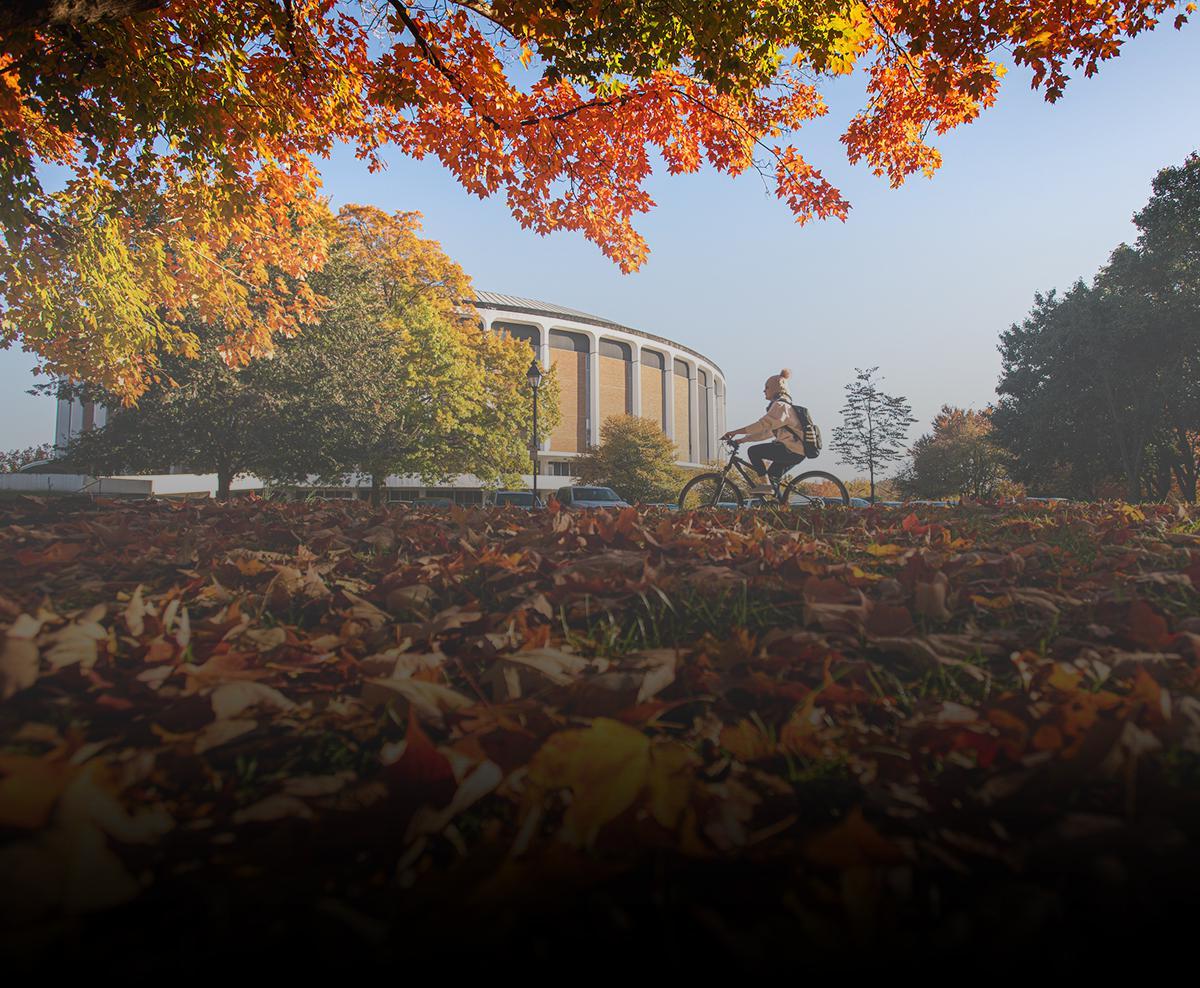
(534,377)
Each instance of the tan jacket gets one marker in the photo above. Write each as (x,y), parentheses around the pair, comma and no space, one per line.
(779,422)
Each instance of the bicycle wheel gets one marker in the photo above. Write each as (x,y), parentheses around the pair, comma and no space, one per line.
(707,491)
(802,499)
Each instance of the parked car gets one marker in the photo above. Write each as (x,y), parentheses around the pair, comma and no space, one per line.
(859,502)
(931,504)
(590,497)
(890,504)
(431,502)
(518,499)
(663,504)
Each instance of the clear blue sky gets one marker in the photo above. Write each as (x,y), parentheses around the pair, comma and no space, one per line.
(919,281)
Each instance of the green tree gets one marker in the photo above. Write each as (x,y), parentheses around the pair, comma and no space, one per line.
(396,379)
(635,458)
(874,426)
(1102,382)
(201,416)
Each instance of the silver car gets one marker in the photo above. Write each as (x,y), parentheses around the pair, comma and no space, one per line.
(590,497)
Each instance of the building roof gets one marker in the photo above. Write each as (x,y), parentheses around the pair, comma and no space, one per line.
(534,307)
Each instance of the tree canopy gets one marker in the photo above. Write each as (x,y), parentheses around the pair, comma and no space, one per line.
(959,456)
(181,137)
(1100,382)
(635,458)
(392,379)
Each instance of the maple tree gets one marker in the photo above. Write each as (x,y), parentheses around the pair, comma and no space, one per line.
(960,457)
(635,458)
(393,378)
(160,157)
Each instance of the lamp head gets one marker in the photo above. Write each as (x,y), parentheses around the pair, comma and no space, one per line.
(534,375)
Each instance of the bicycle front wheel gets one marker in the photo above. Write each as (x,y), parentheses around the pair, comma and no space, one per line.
(795,494)
(709,490)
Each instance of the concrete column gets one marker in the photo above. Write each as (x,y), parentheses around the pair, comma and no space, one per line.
(694,412)
(635,379)
(593,398)
(669,394)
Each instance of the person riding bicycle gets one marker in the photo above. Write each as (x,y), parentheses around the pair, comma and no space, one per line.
(782,426)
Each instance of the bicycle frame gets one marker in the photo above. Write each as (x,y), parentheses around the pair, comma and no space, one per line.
(735,462)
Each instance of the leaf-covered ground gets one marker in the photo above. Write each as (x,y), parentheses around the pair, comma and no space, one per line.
(333,731)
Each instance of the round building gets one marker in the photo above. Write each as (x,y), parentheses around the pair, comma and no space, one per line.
(606,369)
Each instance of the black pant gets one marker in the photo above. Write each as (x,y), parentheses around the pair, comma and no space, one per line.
(782,458)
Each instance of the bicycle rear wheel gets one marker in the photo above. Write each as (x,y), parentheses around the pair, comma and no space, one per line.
(708,490)
(794,491)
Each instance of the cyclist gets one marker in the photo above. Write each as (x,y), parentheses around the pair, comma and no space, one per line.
(782,426)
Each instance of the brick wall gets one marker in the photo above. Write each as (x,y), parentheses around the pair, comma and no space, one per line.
(614,388)
(652,396)
(570,435)
(683,417)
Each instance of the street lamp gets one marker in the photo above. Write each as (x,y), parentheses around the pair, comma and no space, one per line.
(534,377)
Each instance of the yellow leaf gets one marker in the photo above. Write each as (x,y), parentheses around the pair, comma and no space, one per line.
(885,550)
(605,766)
(669,782)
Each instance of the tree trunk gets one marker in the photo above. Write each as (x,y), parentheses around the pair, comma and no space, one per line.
(376,488)
(224,480)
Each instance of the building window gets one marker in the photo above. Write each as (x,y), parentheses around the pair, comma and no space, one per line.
(560,339)
(652,359)
(616,349)
(561,469)
(520,331)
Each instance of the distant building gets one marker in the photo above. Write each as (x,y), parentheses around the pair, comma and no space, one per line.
(75,417)
(604,369)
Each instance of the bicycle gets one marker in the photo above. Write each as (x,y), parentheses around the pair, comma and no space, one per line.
(708,490)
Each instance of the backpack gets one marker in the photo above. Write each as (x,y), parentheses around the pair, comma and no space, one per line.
(811,436)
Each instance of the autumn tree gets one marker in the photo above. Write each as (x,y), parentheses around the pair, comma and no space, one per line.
(874,426)
(15,459)
(393,379)
(183,135)
(396,378)
(635,458)
(959,456)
